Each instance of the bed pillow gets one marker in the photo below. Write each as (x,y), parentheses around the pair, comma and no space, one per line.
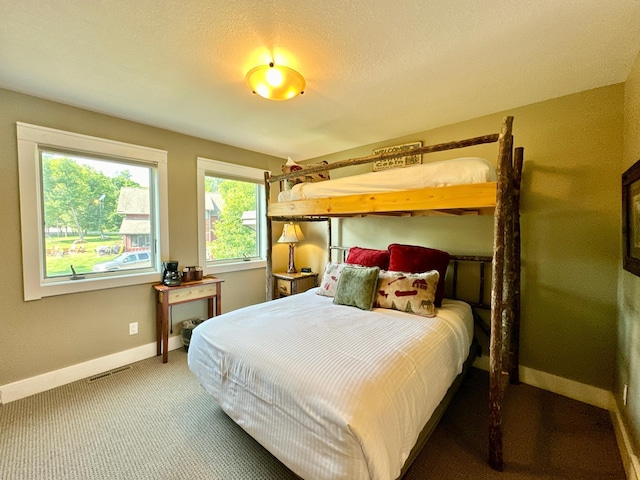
(416,259)
(408,292)
(369,257)
(292,166)
(329,282)
(357,287)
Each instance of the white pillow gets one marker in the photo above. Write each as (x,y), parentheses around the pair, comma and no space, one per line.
(329,282)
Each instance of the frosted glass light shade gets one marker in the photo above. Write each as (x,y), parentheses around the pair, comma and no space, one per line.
(275,82)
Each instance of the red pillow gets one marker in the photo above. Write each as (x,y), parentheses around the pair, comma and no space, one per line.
(369,257)
(414,259)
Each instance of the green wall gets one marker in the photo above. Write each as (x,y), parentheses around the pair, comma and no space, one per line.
(45,335)
(570,221)
(570,226)
(629,284)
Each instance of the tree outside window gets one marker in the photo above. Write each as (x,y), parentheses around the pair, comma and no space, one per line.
(88,203)
(230,212)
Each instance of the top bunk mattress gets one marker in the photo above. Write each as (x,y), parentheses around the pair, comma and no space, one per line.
(458,171)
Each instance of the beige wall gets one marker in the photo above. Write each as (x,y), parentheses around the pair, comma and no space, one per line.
(570,221)
(570,227)
(52,333)
(629,284)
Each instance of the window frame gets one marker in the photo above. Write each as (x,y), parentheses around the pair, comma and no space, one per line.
(233,171)
(30,139)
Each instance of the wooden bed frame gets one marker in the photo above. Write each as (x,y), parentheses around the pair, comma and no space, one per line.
(501,198)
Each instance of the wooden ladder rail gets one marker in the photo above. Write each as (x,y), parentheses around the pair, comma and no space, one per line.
(498,309)
(514,349)
(505,291)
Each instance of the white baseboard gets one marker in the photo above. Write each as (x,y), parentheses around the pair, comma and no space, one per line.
(629,459)
(562,386)
(41,383)
(587,394)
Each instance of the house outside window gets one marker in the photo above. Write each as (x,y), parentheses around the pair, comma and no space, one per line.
(135,228)
(87,204)
(213,205)
(231,223)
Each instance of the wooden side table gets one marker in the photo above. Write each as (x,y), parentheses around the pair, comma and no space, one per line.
(291,283)
(208,288)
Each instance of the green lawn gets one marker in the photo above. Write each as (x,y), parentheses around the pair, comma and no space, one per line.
(60,255)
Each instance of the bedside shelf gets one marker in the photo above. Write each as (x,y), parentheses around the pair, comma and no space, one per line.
(286,284)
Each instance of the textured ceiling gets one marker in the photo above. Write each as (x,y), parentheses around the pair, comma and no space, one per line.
(375,69)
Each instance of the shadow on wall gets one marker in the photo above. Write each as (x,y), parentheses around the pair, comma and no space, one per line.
(566,330)
(545,188)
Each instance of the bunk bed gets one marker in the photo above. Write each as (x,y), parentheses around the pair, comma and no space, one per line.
(500,199)
(295,372)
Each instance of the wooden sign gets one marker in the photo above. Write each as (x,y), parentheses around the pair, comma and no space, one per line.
(403,161)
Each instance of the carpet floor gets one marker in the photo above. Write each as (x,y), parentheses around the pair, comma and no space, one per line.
(154,421)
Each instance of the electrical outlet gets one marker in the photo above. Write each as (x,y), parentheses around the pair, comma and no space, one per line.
(625,392)
(133,328)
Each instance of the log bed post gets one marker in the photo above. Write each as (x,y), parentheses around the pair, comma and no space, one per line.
(509,266)
(496,383)
(329,244)
(269,225)
(514,344)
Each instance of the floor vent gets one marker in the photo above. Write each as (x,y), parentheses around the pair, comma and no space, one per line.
(109,373)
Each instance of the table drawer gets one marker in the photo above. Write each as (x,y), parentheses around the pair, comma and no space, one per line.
(191,293)
(283,286)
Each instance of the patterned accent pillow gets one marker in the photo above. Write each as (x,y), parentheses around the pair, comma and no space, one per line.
(292,166)
(329,283)
(357,287)
(408,292)
(368,257)
(416,259)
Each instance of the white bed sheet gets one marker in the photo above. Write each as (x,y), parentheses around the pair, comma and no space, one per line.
(435,174)
(334,392)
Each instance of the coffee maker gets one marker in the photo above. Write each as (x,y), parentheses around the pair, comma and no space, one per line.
(170,274)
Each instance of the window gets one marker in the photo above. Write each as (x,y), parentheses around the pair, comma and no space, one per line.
(93,212)
(231,225)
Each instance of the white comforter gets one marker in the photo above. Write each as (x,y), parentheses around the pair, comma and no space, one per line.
(435,174)
(334,392)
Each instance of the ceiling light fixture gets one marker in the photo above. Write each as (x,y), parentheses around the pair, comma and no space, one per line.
(275,82)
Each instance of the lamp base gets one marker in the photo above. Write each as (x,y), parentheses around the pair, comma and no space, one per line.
(292,264)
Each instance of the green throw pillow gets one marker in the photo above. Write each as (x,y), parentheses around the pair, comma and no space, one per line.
(357,287)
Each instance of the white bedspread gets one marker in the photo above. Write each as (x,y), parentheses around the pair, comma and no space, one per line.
(435,174)
(334,392)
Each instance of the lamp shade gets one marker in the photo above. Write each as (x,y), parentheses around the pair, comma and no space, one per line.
(291,233)
(275,82)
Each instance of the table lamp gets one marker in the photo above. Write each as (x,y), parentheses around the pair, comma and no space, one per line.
(291,234)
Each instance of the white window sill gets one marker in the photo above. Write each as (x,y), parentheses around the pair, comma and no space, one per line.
(234,267)
(87,285)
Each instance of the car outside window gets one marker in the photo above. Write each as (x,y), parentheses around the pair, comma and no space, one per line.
(85,202)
